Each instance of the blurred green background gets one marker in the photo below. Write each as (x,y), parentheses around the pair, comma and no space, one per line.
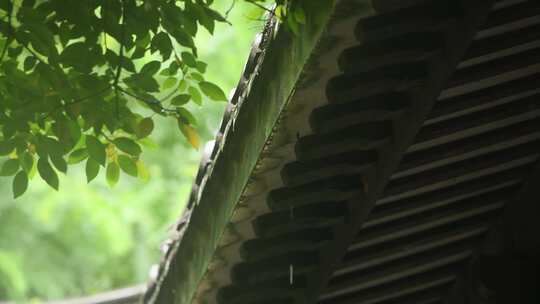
(88,238)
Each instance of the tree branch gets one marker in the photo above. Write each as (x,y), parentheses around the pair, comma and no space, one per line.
(271,12)
(230,9)
(79,100)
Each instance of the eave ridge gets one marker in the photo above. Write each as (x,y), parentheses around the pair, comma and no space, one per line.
(231,158)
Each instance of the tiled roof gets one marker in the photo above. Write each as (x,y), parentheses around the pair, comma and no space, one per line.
(413,124)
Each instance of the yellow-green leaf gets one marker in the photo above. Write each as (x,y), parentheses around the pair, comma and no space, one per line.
(144,127)
(180,100)
(190,134)
(195,95)
(300,15)
(113,174)
(142,172)
(169,83)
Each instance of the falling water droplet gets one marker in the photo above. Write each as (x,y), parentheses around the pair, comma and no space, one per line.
(291,212)
(291,274)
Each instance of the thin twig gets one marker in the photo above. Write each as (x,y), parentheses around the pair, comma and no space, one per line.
(4,50)
(120,60)
(271,12)
(79,100)
(171,94)
(163,110)
(230,9)
(103,12)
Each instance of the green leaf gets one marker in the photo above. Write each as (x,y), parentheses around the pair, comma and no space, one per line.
(172,14)
(142,172)
(143,40)
(183,38)
(20,184)
(139,53)
(180,100)
(213,91)
(214,14)
(112,174)
(32,171)
(5,5)
(182,85)
(41,147)
(59,163)
(201,67)
(169,83)
(77,55)
(195,95)
(280,10)
(29,63)
(189,59)
(196,76)
(300,15)
(47,173)
(96,150)
(6,147)
(27,161)
(205,20)
(128,146)
(14,52)
(145,127)
(10,167)
(41,39)
(54,147)
(162,42)
(68,133)
(185,116)
(64,33)
(142,81)
(9,129)
(173,68)
(92,169)
(128,165)
(293,25)
(151,68)
(148,143)
(77,156)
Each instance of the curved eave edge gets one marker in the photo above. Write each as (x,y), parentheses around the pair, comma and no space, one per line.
(252,121)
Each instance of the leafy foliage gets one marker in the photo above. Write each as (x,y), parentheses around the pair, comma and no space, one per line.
(74,73)
(91,238)
(83,84)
